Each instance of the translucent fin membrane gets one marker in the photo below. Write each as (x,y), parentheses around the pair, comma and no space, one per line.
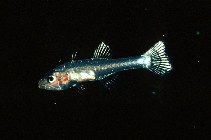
(159,60)
(103,51)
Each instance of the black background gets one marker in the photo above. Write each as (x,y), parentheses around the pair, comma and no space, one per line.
(36,35)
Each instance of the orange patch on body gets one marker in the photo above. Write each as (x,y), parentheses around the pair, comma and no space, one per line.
(61,78)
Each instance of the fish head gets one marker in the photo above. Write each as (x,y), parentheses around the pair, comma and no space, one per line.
(55,80)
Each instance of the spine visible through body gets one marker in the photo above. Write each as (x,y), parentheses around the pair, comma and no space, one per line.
(112,66)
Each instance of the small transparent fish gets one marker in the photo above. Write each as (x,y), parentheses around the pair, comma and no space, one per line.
(102,68)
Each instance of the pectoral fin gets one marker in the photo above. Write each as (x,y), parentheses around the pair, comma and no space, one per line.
(110,81)
(80,88)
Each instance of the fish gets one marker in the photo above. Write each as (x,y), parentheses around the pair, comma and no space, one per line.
(101,67)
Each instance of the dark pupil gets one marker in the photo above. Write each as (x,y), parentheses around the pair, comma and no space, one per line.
(50,78)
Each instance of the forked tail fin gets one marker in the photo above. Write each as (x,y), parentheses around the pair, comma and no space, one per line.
(158,59)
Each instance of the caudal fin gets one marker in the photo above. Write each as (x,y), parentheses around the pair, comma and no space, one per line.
(158,59)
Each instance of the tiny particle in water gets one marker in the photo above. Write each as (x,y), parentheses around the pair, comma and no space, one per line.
(163,35)
(198,61)
(197,33)
(55,103)
(154,92)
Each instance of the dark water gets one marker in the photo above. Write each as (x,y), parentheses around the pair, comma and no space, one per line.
(37,35)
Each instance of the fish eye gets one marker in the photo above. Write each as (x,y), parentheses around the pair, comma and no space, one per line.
(51,79)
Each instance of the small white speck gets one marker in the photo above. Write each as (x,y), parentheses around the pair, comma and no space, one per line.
(55,103)
(198,61)
(153,92)
(197,33)
(163,35)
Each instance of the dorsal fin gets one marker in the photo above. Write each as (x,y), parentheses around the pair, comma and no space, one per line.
(74,56)
(102,51)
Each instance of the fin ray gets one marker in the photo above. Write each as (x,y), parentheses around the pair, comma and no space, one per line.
(103,51)
(159,61)
(110,81)
(80,88)
(74,56)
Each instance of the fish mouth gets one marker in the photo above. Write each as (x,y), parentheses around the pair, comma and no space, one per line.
(42,85)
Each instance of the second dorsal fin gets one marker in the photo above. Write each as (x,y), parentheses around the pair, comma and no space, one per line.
(102,51)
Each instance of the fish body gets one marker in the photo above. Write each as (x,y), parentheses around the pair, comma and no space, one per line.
(101,66)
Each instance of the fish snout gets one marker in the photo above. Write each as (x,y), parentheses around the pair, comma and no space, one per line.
(41,84)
